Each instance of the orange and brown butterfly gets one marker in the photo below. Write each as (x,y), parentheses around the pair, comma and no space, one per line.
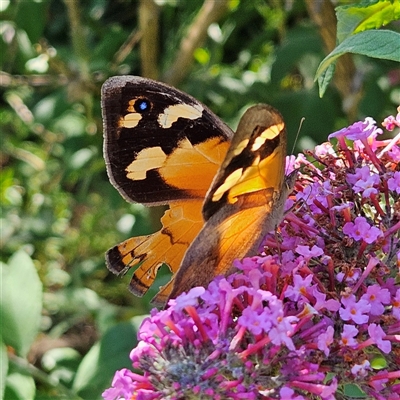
(225,190)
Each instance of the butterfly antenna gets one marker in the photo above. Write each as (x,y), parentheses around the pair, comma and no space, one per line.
(297,134)
(291,154)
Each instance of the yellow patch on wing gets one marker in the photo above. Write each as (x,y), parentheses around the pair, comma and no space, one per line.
(194,167)
(240,147)
(261,174)
(172,113)
(131,105)
(130,120)
(269,133)
(146,160)
(229,182)
(274,164)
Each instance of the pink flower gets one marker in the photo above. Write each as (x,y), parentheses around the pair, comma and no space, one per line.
(391,122)
(396,305)
(379,384)
(299,288)
(348,334)
(354,310)
(376,296)
(288,394)
(377,334)
(361,369)
(282,331)
(350,277)
(308,253)
(364,181)
(324,149)
(325,340)
(190,298)
(254,321)
(122,384)
(394,182)
(321,302)
(360,229)
(358,131)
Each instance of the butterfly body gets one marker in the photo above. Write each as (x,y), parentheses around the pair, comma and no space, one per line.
(225,191)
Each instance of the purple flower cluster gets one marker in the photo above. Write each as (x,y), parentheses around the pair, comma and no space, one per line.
(316,316)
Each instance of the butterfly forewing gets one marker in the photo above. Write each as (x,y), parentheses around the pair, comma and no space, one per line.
(255,159)
(160,144)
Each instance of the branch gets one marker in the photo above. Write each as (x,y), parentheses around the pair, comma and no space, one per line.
(148,24)
(82,88)
(77,35)
(210,12)
(125,49)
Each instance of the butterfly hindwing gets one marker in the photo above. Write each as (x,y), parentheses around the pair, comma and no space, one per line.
(181,224)
(161,146)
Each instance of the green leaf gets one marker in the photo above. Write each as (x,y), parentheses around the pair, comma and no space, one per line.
(61,358)
(19,387)
(360,17)
(299,41)
(21,303)
(3,368)
(325,78)
(378,362)
(32,16)
(381,44)
(353,391)
(201,55)
(71,124)
(105,358)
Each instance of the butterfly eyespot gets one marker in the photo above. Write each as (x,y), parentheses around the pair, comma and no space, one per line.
(142,106)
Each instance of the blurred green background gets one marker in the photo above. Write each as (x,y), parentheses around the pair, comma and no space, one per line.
(57,204)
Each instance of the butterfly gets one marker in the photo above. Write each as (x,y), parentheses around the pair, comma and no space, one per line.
(225,190)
